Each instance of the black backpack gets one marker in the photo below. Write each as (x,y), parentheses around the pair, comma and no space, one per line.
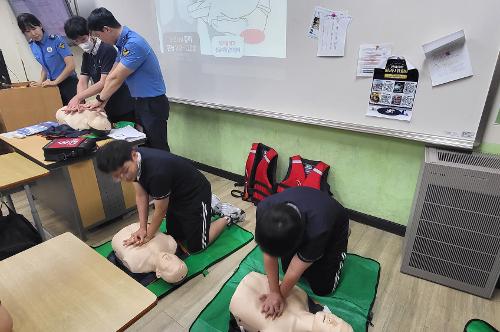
(16,234)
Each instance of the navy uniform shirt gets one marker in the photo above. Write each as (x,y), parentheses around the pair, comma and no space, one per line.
(163,175)
(135,53)
(99,62)
(326,221)
(50,53)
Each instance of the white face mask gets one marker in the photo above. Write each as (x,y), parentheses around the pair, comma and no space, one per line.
(88,46)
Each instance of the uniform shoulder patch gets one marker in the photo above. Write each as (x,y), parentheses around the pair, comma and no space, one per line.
(61,45)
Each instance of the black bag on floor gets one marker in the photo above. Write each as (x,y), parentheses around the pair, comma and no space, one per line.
(16,234)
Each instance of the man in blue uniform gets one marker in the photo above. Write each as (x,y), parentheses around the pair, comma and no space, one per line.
(54,54)
(97,61)
(139,67)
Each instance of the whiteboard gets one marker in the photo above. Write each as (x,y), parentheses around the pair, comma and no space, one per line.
(325,91)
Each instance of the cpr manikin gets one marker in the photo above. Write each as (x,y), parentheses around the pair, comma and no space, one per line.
(157,255)
(84,120)
(246,308)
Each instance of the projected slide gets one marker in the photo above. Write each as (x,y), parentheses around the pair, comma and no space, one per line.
(223,28)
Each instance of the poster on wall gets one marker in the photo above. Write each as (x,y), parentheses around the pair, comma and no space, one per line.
(393,90)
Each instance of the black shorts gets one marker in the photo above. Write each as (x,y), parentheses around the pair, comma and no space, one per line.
(190,223)
(324,274)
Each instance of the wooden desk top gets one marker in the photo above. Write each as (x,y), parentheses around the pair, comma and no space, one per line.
(15,170)
(32,148)
(64,285)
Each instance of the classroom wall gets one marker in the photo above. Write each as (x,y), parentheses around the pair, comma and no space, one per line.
(372,174)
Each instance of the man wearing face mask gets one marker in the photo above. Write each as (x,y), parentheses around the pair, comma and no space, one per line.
(98,60)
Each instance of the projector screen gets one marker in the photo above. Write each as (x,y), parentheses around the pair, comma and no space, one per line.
(222,28)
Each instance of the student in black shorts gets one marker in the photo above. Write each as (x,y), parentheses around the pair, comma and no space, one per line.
(179,191)
(98,61)
(307,230)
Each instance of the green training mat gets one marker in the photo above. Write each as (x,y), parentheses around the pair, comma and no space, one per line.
(230,240)
(478,325)
(352,300)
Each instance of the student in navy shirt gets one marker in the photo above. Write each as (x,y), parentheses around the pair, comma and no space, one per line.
(180,192)
(97,62)
(139,67)
(307,230)
(53,53)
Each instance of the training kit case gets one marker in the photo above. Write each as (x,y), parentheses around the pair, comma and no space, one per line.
(68,148)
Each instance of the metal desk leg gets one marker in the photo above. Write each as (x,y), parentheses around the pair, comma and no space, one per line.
(9,202)
(34,212)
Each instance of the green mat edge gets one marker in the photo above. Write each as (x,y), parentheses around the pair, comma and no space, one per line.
(175,286)
(368,318)
(471,321)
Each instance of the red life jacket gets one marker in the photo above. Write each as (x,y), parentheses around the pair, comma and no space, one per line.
(260,174)
(307,173)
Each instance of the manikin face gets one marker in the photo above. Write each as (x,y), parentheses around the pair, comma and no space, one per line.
(34,33)
(128,171)
(107,35)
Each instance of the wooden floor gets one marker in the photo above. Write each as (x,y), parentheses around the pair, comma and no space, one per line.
(403,303)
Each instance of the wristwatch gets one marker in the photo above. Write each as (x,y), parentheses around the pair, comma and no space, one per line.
(98,98)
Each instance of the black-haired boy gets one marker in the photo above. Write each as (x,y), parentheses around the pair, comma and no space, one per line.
(307,230)
(97,62)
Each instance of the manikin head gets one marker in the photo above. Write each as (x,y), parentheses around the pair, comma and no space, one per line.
(103,25)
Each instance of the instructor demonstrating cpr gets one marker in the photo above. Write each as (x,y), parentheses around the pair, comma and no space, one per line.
(138,66)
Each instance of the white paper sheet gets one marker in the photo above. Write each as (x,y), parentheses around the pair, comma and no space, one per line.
(127,133)
(316,18)
(332,34)
(448,58)
(370,56)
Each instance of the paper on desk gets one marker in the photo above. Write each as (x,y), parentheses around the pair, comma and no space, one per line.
(126,133)
(332,34)
(448,58)
(370,56)
(316,18)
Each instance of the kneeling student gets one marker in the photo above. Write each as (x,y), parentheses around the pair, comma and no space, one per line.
(179,190)
(308,231)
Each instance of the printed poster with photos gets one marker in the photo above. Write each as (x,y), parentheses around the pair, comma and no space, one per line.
(393,90)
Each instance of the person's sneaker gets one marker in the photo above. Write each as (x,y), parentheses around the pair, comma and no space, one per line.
(216,205)
(235,215)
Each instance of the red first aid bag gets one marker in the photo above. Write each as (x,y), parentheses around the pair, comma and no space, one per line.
(68,148)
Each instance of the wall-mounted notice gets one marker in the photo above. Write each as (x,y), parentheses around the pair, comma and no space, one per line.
(313,31)
(370,56)
(393,90)
(332,34)
(448,58)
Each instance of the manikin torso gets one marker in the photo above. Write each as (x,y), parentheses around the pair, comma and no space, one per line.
(246,307)
(157,255)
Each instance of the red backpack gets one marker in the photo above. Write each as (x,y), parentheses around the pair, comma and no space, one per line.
(307,173)
(260,174)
